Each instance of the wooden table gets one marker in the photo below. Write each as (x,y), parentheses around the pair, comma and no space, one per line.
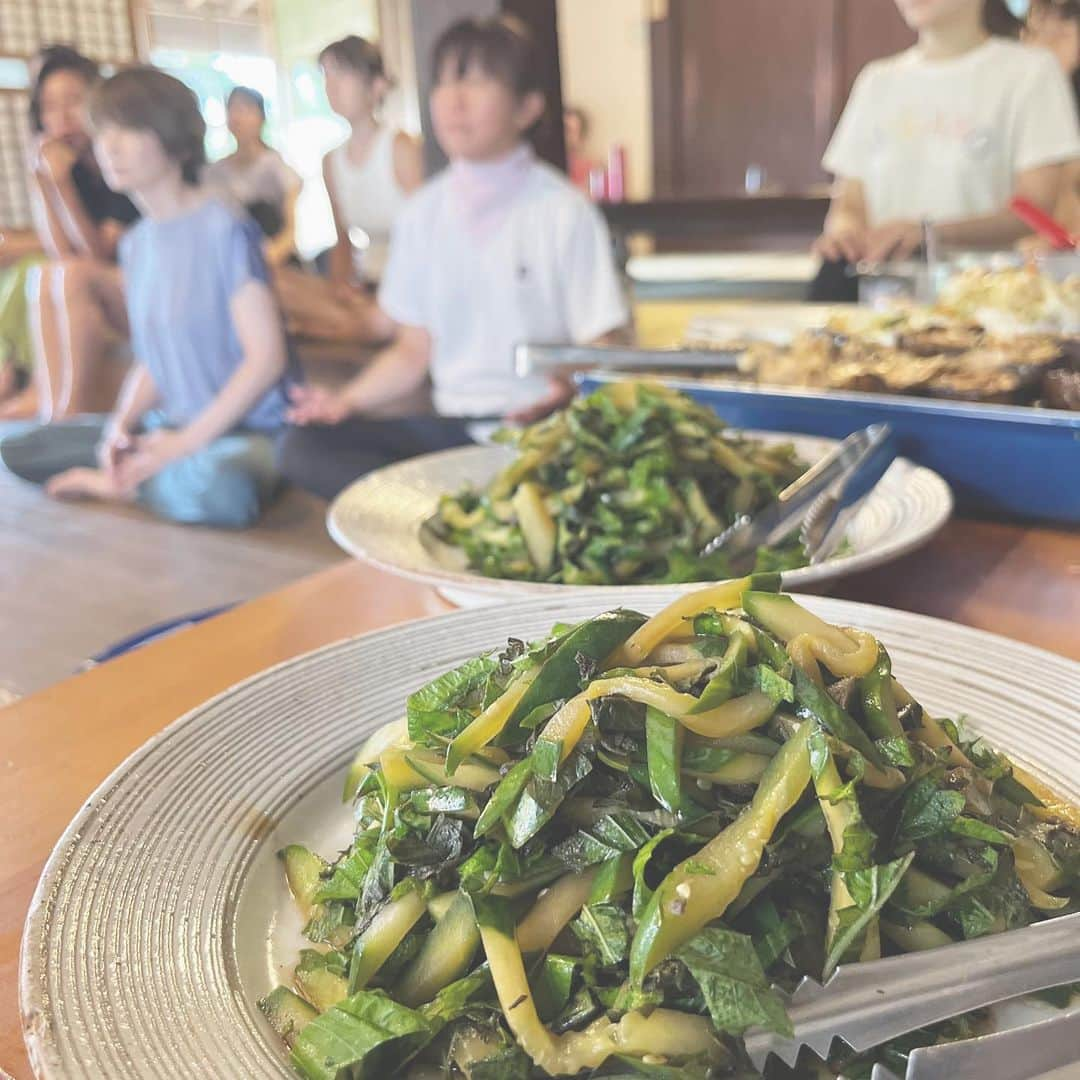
(57,746)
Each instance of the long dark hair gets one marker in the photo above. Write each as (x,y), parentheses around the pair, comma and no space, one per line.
(49,61)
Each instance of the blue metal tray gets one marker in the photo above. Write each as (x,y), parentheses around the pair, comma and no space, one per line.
(1001,460)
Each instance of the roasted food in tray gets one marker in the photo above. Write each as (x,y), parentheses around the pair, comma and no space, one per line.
(1004,370)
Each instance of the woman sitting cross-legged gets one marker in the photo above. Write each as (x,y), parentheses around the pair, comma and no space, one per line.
(192,437)
(498,250)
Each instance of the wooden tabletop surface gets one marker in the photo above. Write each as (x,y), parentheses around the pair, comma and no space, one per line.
(59,745)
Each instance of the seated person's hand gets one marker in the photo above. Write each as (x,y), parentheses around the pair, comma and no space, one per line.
(117,442)
(560,391)
(149,455)
(841,243)
(111,231)
(345,292)
(1034,245)
(894,240)
(57,158)
(317,405)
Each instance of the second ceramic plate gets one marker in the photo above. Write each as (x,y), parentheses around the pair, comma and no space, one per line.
(379,519)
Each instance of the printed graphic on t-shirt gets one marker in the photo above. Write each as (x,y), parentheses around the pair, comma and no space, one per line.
(912,125)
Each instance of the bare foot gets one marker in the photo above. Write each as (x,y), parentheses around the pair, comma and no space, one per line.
(23,406)
(86,484)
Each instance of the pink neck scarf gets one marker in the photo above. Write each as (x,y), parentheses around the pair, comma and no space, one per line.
(484,190)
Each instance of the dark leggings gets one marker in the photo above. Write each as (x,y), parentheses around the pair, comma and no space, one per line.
(325,460)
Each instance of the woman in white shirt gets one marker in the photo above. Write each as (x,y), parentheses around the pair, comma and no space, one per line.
(945,134)
(498,249)
(372,173)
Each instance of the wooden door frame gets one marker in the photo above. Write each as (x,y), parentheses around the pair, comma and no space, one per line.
(665,36)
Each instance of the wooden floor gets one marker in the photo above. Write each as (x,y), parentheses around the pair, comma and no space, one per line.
(75,578)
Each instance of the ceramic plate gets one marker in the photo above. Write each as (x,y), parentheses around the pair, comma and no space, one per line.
(163,916)
(379,519)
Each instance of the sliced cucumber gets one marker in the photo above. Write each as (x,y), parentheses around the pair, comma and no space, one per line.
(322,987)
(406,770)
(439,905)
(444,956)
(383,935)
(287,1012)
(303,871)
(536,526)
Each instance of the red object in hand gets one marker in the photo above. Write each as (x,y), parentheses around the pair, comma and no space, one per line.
(1042,223)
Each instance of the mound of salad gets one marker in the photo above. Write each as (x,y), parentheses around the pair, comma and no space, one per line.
(626,485)
(612,851)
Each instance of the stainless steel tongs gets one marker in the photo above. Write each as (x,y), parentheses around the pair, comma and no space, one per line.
(869,1003)
(544,359)
(822,501)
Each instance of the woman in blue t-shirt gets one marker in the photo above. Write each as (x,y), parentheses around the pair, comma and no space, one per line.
(192,435)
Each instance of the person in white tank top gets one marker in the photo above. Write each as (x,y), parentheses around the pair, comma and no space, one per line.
(371,174)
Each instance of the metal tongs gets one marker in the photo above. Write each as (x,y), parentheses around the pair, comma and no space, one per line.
(822,501)
(869,1003)
(544,359)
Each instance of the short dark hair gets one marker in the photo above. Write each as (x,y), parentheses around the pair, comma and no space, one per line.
(146,99)
(501,47)
(248,94)
(357,53)
(49,61)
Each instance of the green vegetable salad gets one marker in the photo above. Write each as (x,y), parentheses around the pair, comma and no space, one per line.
(625,485)
(610,851)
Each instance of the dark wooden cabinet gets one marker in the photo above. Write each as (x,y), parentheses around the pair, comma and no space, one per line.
(757,84)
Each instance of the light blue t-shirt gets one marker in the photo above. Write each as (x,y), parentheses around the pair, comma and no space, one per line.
(180,275)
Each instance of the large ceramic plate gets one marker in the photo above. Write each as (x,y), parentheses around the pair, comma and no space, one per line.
(162,915)
(379,519)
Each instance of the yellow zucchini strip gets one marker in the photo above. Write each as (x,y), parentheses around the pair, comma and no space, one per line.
(665,1032)
(553,910)
(1038,872)
(490,722)
(660,627)
(735,717)
(701,887)
(741,769)
(1054,807)
(855,659)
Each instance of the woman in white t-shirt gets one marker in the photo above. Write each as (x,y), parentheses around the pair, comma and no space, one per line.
(497,250)
(944,134)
